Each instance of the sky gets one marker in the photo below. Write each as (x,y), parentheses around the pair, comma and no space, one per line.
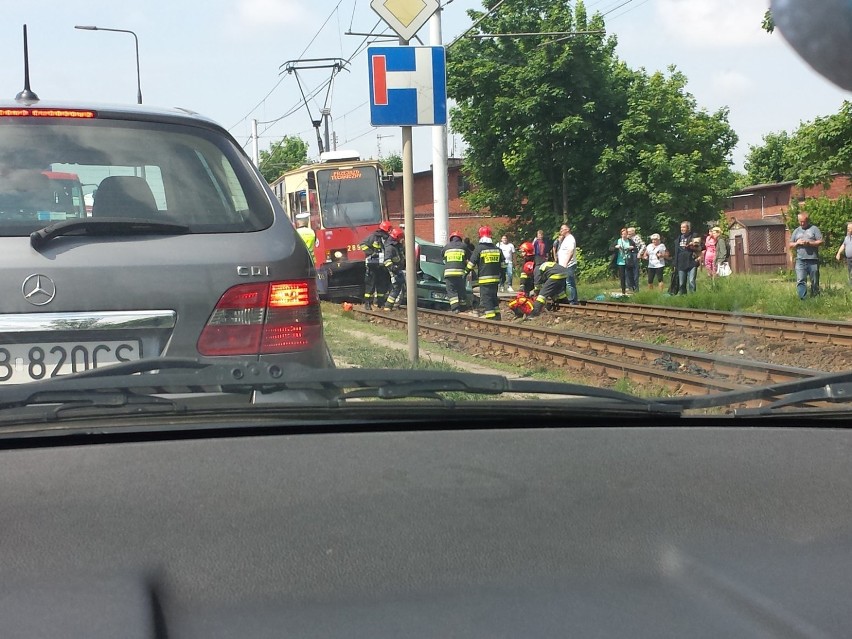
(222,58)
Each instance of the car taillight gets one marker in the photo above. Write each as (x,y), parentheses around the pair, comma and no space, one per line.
(261,319)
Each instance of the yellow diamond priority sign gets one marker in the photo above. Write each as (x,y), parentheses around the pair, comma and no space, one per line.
(405,17)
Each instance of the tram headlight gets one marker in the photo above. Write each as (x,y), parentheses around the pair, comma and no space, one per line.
(338,255)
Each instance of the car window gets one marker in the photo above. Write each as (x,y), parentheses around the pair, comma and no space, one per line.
(155,171)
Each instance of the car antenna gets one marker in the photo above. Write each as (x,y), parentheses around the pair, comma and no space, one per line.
(26,95)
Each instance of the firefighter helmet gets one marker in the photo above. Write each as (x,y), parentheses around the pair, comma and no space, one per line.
(526,248)
(484,231)
(529,267)
(396,234)
(386,226)
(456,234)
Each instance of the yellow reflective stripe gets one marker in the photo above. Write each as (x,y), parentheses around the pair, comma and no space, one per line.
(490,280)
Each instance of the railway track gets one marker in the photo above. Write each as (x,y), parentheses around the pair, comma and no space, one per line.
(766,326)
(648,364)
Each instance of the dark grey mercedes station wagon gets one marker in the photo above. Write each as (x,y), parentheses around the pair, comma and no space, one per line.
(133,233)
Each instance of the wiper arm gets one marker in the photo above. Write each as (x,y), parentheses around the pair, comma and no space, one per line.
(105,226)
(336,386)
(831,387)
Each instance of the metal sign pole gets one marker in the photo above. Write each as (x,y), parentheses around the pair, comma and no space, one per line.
(410,245)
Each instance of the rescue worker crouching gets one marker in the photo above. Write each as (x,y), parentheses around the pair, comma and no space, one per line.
(550,283)
(376,282)
(528,269)
(395,265)
(488,261)
(522,305)
(455,262)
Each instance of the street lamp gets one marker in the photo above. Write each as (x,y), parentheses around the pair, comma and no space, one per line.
(138,77)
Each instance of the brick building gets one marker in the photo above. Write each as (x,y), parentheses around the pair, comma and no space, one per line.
(763,201)
(461,217)
(757,216)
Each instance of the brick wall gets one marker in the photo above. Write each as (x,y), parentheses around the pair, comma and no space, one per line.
(773,200)
(461,217)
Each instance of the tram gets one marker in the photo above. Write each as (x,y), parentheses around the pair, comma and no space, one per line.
(344,198)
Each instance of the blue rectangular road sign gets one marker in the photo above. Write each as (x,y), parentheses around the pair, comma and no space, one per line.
(408,86)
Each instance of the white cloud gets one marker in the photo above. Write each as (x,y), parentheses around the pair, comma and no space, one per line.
(706,23)
(269,13)
(729,83)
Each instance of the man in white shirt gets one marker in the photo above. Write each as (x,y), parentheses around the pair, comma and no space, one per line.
(567,256)
(509,255)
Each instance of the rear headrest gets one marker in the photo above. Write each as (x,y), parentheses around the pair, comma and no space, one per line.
(124,196)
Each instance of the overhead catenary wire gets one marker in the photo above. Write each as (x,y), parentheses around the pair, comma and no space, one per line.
(281,79)
(366,42)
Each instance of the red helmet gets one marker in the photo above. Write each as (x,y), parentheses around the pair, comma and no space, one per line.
(396,234)
(526,248)
(484,231)
(529,267)
(386,226)
(456,234)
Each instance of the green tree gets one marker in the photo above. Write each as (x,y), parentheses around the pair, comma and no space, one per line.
(671,160)
(768,23)
(392,163)
(769,162)
(536,111)
(558,128)
(822,147)
(830,216)
(287,153)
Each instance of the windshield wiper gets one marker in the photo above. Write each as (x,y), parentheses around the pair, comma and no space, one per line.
(830,387)
(331,387)
(105,226)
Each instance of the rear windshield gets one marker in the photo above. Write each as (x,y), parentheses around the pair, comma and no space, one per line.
(54,170)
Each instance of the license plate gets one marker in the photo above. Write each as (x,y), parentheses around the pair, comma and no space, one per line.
(21,363)
(439,296)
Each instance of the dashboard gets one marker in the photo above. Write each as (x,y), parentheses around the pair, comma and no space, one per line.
(565,529)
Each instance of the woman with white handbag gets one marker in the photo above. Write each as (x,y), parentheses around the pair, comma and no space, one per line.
(721,265)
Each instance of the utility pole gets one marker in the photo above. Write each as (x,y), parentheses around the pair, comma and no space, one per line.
(255,153)
(379,137)
(440,192)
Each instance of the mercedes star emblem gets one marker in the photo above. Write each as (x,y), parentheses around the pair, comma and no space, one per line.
(38,289)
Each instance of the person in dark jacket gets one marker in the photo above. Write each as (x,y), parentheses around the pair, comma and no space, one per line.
(488,261)
(455,271)
(376,282)
(550,280)
(688,251)
(395,265)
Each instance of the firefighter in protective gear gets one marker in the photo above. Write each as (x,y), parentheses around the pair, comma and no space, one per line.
(521,305)
(488,261)
(550,283)
(376,282)
(528,268)
(395,265)
(528,276)
(455,263)
(306,232)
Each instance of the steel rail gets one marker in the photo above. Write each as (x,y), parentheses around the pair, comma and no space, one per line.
(548,347)
(769,326)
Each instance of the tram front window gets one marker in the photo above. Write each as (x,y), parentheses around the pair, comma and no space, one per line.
(349,197)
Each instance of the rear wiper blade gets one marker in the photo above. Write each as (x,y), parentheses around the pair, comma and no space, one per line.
(334,385)
(830,387)
(105,226)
